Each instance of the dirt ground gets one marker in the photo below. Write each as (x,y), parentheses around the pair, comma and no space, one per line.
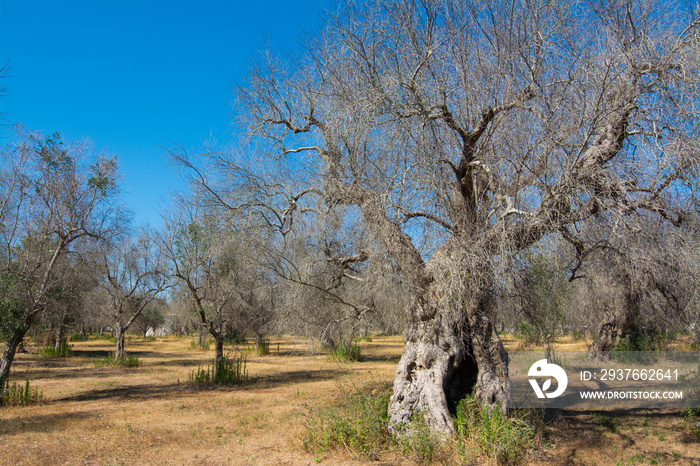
(151,415)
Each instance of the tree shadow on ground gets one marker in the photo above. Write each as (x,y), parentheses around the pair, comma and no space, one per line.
(381,358)
(145,392)
(19,425)
(291,377)
(66,373)
(142,392)
(583,431)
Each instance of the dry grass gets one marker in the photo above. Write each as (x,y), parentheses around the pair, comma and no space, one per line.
(150,415)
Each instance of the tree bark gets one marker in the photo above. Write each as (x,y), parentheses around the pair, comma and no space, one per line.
(447,355)
(119,350)
(614,327)
(59,335)
(201,335)
(11,344)
(219,349)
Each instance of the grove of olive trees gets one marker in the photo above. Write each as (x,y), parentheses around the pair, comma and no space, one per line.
(445,168)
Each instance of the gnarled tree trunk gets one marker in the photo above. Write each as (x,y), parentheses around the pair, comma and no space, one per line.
(615,326)
(448,354)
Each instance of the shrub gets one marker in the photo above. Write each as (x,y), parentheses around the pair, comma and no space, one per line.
(262,347)
(497,435)
(127,361)
(578,335)
(529,334)
(79,337)
(346,352)
(226,372)
(359,422)
(49,351)
(636,346)
(643,341)
(19,394)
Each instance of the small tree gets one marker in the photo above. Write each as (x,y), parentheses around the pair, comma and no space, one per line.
(133,278)
(543,290)
(212,260)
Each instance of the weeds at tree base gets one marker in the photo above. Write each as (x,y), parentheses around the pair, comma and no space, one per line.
(421,443)
(127,361)
(49,351)
(227,372)
(262,347)
(646,341)
(345,352)
(359,423)
(205,346)
(20,394)
(498,436)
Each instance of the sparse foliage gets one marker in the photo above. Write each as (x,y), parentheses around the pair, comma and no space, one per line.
(55,199)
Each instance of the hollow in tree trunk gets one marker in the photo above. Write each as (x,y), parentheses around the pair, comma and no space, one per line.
(447,356)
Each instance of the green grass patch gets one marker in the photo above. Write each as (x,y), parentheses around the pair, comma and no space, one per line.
(20,394)
(346,352)
(127,361)
(49,351)
(359,422)
(227,372)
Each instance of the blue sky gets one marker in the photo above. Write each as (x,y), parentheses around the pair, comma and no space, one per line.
(137,76)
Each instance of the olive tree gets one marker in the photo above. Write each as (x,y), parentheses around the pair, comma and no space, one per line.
(213,263)
(643,275)
(55,197)
(132,278)
(500,123)
(465,133)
